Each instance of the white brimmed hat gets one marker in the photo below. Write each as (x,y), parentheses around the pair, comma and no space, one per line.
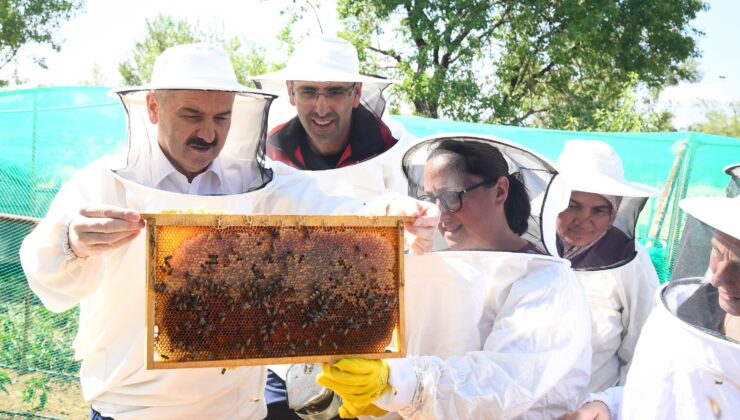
(594,166)
(323,59)
(193,67)
(720,213)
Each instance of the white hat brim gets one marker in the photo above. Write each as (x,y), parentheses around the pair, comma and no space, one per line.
(720,213)
(600,184)
(320,76)
(235,87)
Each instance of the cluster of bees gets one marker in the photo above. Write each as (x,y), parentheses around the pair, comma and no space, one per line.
(264,292)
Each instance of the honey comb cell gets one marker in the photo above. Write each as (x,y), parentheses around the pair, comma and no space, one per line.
(227,290)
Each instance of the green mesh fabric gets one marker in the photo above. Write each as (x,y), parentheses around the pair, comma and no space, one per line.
(49,133)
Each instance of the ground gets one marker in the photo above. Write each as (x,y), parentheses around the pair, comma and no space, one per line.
(64,399)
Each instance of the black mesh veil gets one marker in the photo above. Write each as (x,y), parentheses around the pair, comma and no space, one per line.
(373,98)
(694,247)
(546,192)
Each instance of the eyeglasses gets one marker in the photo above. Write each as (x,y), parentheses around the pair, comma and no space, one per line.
(452,200)
(309,95)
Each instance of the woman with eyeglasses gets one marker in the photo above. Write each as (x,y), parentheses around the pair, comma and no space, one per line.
(483,206)
(495,327)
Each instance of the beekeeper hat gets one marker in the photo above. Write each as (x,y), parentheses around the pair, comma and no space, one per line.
(594,166)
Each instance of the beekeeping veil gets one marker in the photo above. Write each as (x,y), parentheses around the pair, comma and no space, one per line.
(199,67)
(546,191)
(594,167)
(322,59)
(692,257)
(733,187)
(713,218)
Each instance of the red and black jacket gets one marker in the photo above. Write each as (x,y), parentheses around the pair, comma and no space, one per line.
(368,137)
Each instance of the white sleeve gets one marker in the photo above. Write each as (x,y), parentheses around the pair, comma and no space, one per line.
(612,397)
(58,277)
(539,340)
(637,293)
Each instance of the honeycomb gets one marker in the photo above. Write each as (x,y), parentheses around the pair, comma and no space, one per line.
(265,290)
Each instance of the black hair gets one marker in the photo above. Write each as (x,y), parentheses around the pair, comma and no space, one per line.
(486,161)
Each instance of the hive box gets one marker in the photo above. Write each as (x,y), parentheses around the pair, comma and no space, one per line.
(232,290)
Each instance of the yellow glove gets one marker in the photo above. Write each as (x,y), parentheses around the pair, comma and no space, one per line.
(359,382)
(350,411)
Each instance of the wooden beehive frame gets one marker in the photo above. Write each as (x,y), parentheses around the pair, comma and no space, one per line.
(217,222)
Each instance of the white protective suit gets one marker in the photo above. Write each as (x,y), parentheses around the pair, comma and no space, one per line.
(110,289)
(491,335)
(681,371)
(619,282)
(620,300)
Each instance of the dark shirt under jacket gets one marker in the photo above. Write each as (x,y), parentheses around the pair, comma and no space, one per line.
(614,249)
(368,137)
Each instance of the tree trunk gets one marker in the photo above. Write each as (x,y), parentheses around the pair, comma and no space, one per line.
(426,108)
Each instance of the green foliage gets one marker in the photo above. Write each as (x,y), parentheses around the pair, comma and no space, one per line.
(533,62)
(720,120)
(5,380)
(164,32)
(31,22)
(36,392)
(33,338)
(625,113)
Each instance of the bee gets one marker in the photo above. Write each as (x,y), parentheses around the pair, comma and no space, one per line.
(274,232)
(164,356)
(223,370)
(168,265)
(306,232)
(160,287)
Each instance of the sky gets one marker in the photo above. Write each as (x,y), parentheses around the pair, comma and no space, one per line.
(105,32)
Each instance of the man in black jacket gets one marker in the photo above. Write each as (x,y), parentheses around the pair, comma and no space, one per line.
(337,125)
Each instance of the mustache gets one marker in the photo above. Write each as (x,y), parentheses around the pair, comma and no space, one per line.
(199,142)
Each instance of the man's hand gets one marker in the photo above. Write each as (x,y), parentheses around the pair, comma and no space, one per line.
(595,410)
(101,228)
(420,233)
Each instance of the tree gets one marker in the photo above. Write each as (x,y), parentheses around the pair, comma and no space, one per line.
(721,120)
(96,77)
(164,32)
(31,21)
(536,62)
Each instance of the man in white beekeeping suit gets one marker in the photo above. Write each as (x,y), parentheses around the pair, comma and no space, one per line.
(193,132)
(330,125)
